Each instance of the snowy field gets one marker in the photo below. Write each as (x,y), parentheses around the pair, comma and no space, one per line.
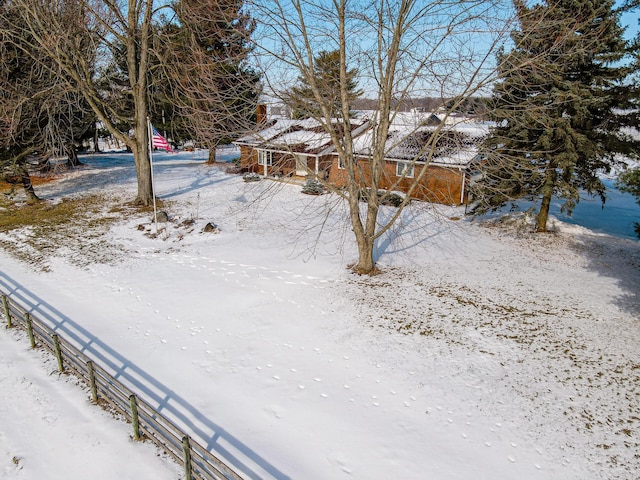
(482,351)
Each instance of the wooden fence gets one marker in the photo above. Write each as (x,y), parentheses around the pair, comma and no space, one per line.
(148,424)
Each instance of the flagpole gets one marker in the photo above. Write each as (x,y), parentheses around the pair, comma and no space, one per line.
(153,188)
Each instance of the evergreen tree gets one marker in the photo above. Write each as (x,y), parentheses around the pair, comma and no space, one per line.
(212,91)
(326,70)
(629,181)
(559,106)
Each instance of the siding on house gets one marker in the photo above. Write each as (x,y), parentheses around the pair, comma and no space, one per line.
(248,158)
(283,163)
(439,184)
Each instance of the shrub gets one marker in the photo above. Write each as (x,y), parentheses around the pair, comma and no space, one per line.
(392,199)
(313,187)
(251,177)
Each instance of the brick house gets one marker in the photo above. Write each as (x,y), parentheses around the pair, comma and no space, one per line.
(301,149)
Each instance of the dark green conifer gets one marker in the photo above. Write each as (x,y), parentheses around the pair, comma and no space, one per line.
(561,101)
(208,88)
(326,70)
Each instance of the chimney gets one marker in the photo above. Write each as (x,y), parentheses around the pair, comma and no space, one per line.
(261,114)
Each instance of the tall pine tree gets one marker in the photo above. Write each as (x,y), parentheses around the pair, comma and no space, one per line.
(559,106)
(210,82)
(326,70)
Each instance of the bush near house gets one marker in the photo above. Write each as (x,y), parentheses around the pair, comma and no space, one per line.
(313,187)
(251,177)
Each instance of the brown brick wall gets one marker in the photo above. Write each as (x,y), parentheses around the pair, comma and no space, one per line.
(439,184)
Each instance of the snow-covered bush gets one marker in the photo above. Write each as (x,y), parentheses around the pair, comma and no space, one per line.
(251,177)
(392,199)
(313,187)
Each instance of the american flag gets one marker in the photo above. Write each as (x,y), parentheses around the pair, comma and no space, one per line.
(159,141)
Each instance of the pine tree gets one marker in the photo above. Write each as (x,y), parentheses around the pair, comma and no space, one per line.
(326,70)
(629,181)
(559,106)
(211,85)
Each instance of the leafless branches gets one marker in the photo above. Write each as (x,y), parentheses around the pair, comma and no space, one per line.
(403,49)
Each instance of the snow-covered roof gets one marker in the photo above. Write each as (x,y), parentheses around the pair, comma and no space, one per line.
(409,133)
(273,128)
(456,145)
(302,136)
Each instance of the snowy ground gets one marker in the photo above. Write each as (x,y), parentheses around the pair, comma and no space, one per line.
(482,352)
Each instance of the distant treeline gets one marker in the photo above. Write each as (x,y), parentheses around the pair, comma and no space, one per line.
(471,106)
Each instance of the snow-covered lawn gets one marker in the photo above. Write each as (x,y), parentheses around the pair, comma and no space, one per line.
(482,352)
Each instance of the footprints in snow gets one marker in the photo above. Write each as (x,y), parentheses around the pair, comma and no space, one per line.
(353,389)
(241,272)
(341,384)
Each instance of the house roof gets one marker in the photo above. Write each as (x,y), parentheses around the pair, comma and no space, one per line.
(456,142)
(306,136)
(455,145)
(272,128)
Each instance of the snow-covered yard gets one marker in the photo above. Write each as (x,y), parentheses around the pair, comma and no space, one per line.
(482,352)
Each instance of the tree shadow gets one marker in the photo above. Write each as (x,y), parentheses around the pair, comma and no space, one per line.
(99,171)
(202,429)
(199,181)
(412,231)
(615,258)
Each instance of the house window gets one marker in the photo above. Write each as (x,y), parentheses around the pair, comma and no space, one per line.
(404,169)
(265,158)
(340,163)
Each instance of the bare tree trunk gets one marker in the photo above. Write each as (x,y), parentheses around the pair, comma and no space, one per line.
(547,194)
(72,156)
(138,64)
(21,176)
(212,155)
(96,147)
(140,148)
(366,264)
(365,239)
(28,188)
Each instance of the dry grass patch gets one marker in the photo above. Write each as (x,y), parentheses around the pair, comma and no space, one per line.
(73,227)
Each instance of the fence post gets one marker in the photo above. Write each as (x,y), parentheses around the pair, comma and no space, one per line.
(27,319)
(186,451)
(5,304)
(92,381)
(134,416)
(56,344)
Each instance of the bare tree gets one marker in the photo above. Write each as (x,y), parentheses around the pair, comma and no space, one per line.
(66,30)
(39,113)
(403,49)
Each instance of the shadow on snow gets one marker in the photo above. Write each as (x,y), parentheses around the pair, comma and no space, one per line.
(207,432)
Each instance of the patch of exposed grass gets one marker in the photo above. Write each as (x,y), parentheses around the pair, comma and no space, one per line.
(73,227)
